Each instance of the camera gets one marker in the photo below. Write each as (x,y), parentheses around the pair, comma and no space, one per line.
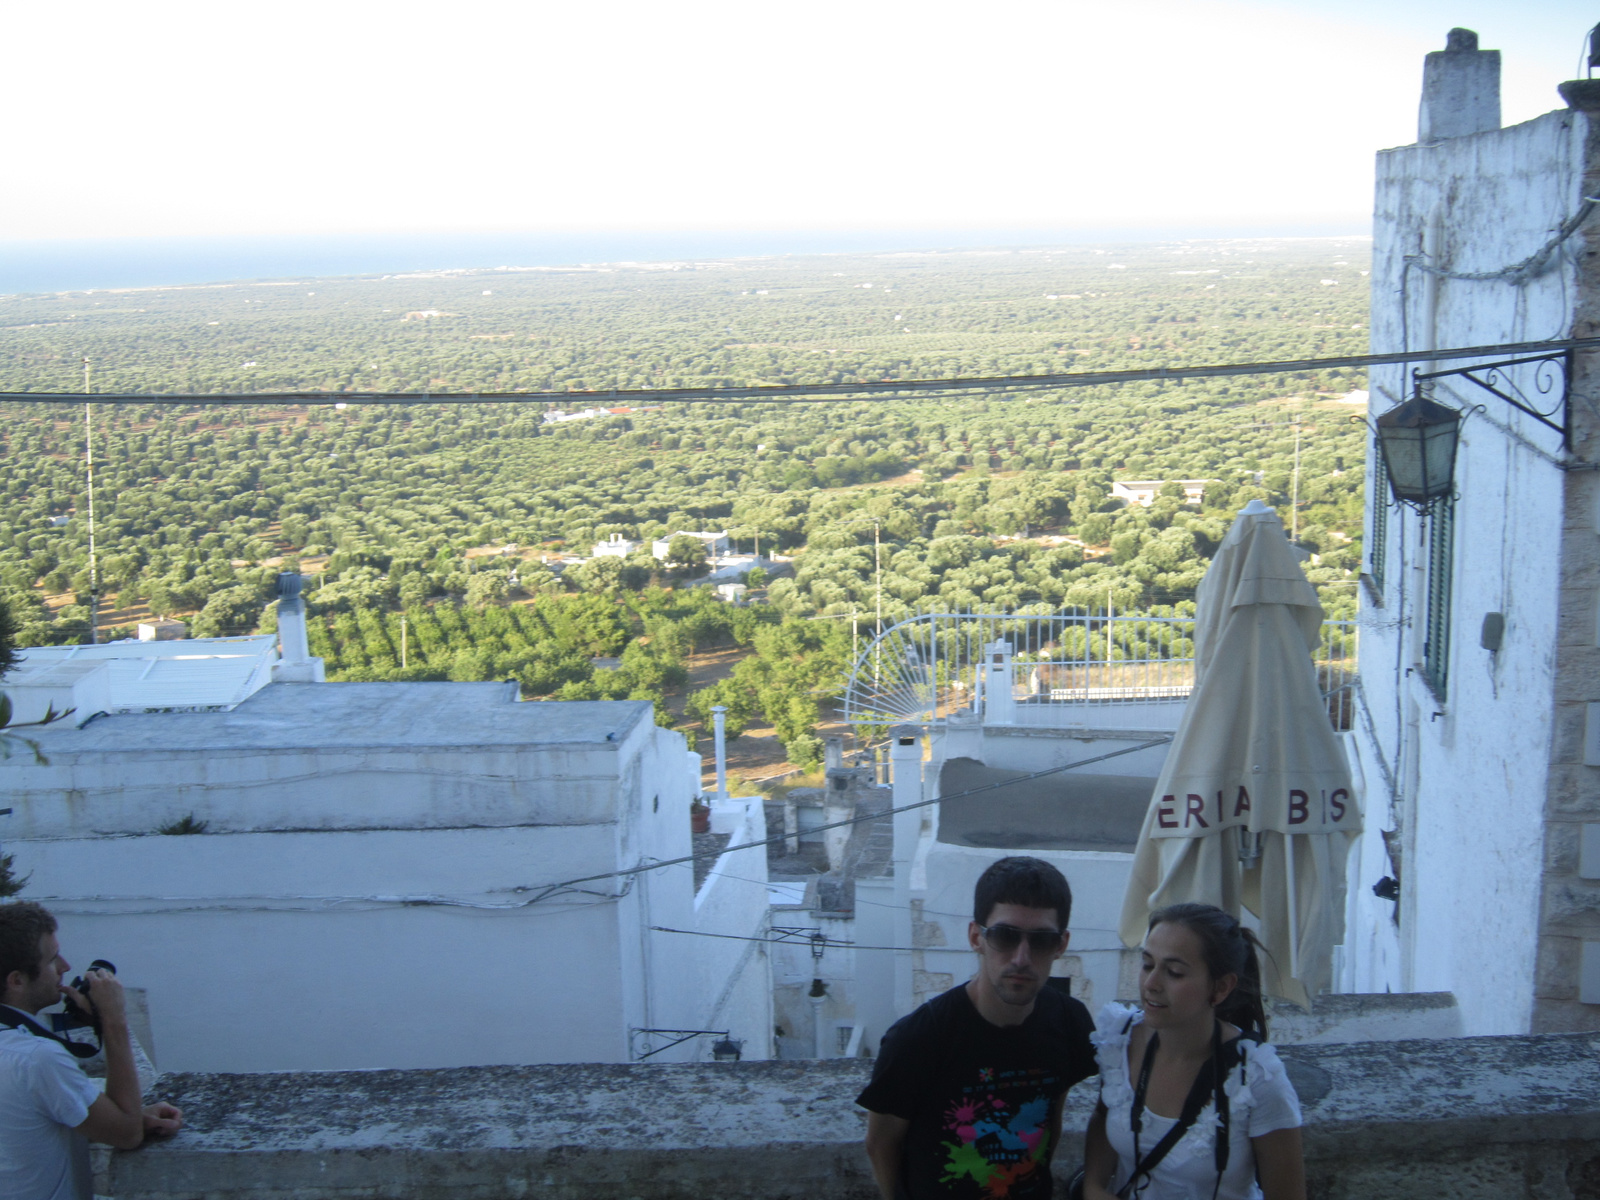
(74,1016)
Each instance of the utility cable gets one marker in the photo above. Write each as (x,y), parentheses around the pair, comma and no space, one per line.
(1517,273)
(806,393)
(926,912)
(627,872)
(824,941)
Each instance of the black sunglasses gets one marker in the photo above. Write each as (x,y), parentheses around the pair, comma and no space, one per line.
(1006,938)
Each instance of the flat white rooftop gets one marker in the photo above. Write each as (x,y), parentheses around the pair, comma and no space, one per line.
(188,675)
(401,716)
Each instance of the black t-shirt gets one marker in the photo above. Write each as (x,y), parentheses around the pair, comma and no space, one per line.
(978,1095)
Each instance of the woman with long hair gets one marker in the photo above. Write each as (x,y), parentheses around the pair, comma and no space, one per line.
(1194,1105)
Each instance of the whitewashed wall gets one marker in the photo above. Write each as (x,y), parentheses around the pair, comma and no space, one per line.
(1463,779)
(655,783)
(1094,956)
(794,966)
(379,904)
(729,980)
(298,951)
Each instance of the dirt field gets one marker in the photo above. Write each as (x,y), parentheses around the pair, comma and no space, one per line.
(754,755)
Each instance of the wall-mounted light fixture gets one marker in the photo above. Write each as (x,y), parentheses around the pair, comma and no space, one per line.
(1418,441)
(1418,437)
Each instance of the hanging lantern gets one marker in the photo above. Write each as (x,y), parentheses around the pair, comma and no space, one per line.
(1418,441)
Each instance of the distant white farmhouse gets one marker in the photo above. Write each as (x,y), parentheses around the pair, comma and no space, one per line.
(162,630)
(716,544)
(732,568)
(556,416)
(1143,492)
(615,546)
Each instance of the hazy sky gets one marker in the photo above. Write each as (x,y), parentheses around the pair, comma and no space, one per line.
(176,117)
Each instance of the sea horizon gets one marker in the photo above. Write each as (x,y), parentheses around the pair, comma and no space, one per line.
(47,266)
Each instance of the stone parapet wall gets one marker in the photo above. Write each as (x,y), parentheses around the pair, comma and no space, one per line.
(1469,1117)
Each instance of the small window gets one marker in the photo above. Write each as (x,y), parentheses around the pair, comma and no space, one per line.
(1377,522)
(1441,566)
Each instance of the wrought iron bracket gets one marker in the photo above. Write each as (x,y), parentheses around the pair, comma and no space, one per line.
(1494,378)
(639,1040)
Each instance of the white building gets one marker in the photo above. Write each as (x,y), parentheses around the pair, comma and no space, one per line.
(732,568)
(1085,823)
(615,546)
(387,875)
(556,416)
(1477,721)
(155,676)
(162,630)
(1143,492)
(907,927)
(716,544)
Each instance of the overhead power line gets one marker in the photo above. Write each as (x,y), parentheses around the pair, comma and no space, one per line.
(550,889)
(825,942)
(801,393)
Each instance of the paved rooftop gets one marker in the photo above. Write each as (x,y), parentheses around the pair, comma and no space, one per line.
(191,674)
(289,716)
(1069,811)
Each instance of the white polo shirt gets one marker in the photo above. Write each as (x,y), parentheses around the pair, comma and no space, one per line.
(44,1097)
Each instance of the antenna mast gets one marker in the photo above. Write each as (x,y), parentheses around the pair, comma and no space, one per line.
(88,462)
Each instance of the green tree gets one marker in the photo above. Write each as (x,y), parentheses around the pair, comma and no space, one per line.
(487,587)
(8,639)
(231,611)
(686,554)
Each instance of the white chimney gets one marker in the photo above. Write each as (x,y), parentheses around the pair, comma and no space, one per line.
(1460,89)
(999,698)
(295,664)
(718,716)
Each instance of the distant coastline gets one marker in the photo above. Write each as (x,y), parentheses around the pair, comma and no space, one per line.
(111,263)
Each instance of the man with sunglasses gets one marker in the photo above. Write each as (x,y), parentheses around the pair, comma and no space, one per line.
(966,1095)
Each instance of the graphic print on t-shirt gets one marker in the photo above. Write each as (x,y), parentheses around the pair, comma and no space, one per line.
(999,1129)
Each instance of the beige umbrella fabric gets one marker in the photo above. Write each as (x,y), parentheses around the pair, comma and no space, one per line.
(1254,807)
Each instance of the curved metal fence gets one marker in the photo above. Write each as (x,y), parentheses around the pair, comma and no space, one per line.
(928,667)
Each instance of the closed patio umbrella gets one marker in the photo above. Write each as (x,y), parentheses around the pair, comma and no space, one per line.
(1254,806)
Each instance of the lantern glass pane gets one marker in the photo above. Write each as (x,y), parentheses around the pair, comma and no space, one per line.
(1419,449)
(1402,458)
(1439,458)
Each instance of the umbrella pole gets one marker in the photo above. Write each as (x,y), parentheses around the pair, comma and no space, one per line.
(1294,916)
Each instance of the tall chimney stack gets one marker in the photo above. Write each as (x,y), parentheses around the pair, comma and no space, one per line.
(295,664)
(1460,89)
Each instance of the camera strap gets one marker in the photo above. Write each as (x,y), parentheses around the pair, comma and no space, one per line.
(16,1019)
(1199,1092)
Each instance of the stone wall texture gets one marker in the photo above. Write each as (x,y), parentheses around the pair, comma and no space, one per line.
(1503,1117)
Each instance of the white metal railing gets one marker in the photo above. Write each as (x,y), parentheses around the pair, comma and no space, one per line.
(930,666)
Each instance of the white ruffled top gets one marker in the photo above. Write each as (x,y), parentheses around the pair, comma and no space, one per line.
(1260,1099)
